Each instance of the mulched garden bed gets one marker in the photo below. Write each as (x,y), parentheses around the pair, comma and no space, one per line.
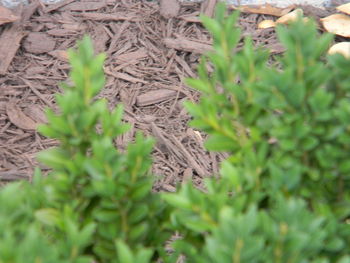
(151,48)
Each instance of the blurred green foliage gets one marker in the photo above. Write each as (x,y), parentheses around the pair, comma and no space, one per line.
(284,190)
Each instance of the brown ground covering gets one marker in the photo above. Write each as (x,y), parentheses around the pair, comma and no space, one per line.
(150,50)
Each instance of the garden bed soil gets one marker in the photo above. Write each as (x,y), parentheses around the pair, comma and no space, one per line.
(151,49)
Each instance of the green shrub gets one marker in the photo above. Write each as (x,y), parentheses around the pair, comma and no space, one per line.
(97,201)
(283,193)
(283,196)
(23,237)
(104,187)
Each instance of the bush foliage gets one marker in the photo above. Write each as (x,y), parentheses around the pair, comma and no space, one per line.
(283,193)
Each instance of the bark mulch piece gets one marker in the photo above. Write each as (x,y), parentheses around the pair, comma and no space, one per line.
(150,49)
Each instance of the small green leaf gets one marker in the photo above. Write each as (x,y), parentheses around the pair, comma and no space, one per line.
(104,215)
(54,157)
(125,254)
(177,201)
(48,216)
(144,255)
(213,27)
(141,191)
(200,85)
(138,213)
(220,142)
(309,143)
(138,232)
(344,259)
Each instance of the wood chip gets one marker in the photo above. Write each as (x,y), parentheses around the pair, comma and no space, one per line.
(18,118)
(208,7)
(169,8)
(187,176)
(61,32)
(345,8)
(125,77)
(10,41)
(59,54)
(190,18)
(108,17)
(115,38)
(268,23)
(162,142)
(315,12)
(189,158)
(36,113)
(265,9)
(290,17)
(38,43)
(130,56)
(155,96)
(185,67)
(12,175)
(100,39)
(37,92)
(3,107)
(11,37)
(53,7)
(29,11)
(7,16)
(275,48)
(187,45)
(84,6)
(342,48)
(338,24)
(74,26)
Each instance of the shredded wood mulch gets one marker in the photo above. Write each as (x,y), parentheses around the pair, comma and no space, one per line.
(151,48)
